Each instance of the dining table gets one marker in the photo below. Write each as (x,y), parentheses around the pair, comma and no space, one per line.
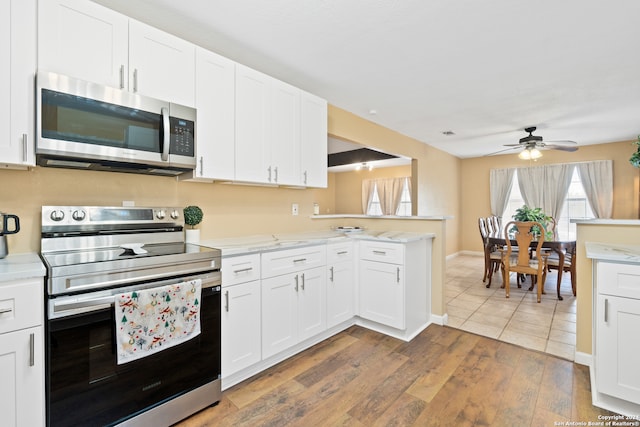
(562,245)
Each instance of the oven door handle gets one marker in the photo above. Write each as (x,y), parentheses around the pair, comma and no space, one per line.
(73,305)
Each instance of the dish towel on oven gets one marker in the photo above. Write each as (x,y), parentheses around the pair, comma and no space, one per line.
(152,320)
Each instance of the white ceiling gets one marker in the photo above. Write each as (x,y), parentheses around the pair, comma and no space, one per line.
(482,69)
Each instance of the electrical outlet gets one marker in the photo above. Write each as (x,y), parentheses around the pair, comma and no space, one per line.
(294,209)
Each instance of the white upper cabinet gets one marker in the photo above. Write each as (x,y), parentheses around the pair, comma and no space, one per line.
(161,65)
(215,102)
(252,154)
(284,137)
(18,52)
(87,41)
(313,144)
(82,39)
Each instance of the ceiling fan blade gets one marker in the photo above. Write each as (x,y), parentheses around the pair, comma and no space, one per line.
(515,145)
(560,147)
(562,141)
(502,151)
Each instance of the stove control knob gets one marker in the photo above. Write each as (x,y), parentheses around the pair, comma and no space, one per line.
(79,215)
(57,215)
(175,214)
(161,214)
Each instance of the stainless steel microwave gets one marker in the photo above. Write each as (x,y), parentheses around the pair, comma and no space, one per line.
(85,125)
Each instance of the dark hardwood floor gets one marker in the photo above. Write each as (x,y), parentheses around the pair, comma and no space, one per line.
(443,377)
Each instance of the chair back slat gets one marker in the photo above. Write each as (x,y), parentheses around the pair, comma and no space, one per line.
(482,225)
(523,237)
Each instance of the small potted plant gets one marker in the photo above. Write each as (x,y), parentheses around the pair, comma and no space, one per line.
(525,213)
(192,217)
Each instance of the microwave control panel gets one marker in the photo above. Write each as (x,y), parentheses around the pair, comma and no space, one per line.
(182,137)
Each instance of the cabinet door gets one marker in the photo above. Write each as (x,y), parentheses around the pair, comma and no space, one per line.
(284,140)
(617,349)
(161,65)
(22,373)
(382,293)
(18,53)
(279,313)
(240,327)
(82,39)
(340,288)
(312,308)
(215,102)
(313,140)
(252,126)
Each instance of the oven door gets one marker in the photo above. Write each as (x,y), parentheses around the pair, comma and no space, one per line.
(86,386)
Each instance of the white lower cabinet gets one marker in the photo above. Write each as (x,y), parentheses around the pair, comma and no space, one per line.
(341,281)
(617,319)
(241,319)
(21,353)
(293,309)
(382,293)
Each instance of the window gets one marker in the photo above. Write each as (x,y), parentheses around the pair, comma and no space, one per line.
(575,206)
(404,209)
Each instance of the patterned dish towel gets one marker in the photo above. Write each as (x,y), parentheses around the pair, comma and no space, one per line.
(152,320)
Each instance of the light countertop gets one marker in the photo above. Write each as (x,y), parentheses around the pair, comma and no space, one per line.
(259,243)
(21,266)
(613,252)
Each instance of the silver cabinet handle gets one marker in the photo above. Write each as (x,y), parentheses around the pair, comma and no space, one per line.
(302,281)
(201,166)
(331,276)
(226,301)
(5,310)
(343,252)
(606,310)
(379,252)
(305,177)
(299,260)
(24,147)
(275,171)
(121,76)
(296,283)
(166,137)
(398,274)
(269,170)
(32,352)
(242,270)
(135,80)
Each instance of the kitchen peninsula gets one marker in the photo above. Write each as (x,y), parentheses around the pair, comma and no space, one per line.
(284,293)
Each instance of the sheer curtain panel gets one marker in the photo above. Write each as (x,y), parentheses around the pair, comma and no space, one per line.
(500,183)
(597,180)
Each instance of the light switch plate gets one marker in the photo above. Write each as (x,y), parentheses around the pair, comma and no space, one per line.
(294,209)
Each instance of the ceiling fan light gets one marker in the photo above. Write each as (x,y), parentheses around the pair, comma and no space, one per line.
(535,154)
(524,155)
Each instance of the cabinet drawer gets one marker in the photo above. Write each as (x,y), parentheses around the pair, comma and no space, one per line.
(618,279)
(240,269)
(337,252)
(21,304)
(291,260)
(392,253)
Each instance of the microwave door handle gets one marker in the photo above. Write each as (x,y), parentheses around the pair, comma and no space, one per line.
(166,134)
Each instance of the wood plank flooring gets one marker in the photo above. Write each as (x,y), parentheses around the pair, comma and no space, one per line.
(443,377)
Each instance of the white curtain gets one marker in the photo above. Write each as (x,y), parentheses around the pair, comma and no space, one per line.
(557,179)
(500,183)
(368,185)
(531,181)
(597,180)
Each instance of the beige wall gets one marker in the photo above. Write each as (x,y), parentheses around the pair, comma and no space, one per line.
(474,180)
(435,174)
(348,186)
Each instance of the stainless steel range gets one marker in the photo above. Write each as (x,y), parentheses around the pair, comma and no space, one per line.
(96,258)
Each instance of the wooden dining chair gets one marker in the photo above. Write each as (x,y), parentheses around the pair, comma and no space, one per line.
(568,265)
(523,262)
(492,257)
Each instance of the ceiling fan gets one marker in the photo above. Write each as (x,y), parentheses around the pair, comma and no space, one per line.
(532,144)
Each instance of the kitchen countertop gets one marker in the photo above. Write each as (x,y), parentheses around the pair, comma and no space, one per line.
(21,266)
(613,252)
(232,246)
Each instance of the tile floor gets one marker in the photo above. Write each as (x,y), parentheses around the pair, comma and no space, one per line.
(548,326)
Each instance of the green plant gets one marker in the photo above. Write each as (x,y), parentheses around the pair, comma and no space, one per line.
(192,216)
(525,213)
(635,157)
